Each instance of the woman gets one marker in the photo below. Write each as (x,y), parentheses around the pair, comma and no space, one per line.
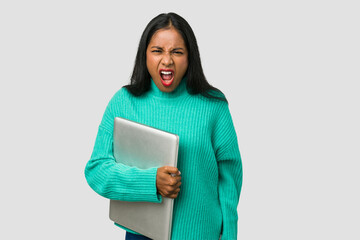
(169,91)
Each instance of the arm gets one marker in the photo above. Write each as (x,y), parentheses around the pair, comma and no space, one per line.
(230,171)
(115,180)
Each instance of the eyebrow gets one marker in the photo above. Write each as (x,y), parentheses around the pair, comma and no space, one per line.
(179,48)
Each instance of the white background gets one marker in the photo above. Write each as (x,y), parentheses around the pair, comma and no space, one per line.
(290,70)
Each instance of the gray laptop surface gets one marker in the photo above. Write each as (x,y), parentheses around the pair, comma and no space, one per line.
(144,147)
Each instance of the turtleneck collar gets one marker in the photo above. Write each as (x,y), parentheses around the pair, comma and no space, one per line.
(178,92)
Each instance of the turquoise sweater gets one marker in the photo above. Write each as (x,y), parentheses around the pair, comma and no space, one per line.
(209,160)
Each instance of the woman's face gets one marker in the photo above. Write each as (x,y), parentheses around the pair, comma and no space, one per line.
(167,59)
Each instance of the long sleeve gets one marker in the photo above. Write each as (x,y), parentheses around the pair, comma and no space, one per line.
(115,180)
(208,158)
(230,171)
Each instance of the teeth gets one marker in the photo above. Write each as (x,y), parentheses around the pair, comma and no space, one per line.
(166,73)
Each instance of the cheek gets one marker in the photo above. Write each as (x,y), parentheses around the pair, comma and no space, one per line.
(151,62)
(183,64)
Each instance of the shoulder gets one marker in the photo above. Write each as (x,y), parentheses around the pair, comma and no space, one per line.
(210,110)
(219,109)
(122,95)
(215,105)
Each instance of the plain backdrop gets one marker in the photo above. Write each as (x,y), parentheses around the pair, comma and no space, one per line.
(289,69)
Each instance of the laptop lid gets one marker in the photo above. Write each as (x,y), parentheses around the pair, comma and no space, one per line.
(144,147)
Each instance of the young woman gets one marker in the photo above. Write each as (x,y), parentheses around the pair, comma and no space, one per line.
(169,91)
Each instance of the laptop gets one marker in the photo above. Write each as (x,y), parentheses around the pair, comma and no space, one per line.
(144,147)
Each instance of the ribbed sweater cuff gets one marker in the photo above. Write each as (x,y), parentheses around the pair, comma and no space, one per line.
(148,187)
(229,230)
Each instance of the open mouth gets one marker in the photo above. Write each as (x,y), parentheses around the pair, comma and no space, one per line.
(167,76)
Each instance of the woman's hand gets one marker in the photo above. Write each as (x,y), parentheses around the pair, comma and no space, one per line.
(166,184)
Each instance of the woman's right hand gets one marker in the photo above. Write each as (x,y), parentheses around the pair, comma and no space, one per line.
(167,185)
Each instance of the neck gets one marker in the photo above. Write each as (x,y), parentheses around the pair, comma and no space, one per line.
(178,92)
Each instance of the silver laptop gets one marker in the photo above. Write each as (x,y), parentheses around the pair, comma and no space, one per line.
(142,146)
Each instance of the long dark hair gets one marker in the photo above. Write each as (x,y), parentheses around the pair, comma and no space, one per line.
(196,82)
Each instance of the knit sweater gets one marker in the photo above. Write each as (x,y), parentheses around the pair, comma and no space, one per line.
(209,160)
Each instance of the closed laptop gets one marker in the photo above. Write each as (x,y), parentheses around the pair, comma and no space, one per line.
(144,147)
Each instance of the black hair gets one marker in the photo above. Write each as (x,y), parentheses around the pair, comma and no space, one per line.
(196,82)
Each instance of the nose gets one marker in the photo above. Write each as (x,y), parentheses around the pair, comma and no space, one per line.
(167,60)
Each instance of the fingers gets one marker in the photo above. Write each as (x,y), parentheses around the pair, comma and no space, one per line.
(175,195)
(164,176)
(167,185)
(172,170)
(172,181)
(170,193)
